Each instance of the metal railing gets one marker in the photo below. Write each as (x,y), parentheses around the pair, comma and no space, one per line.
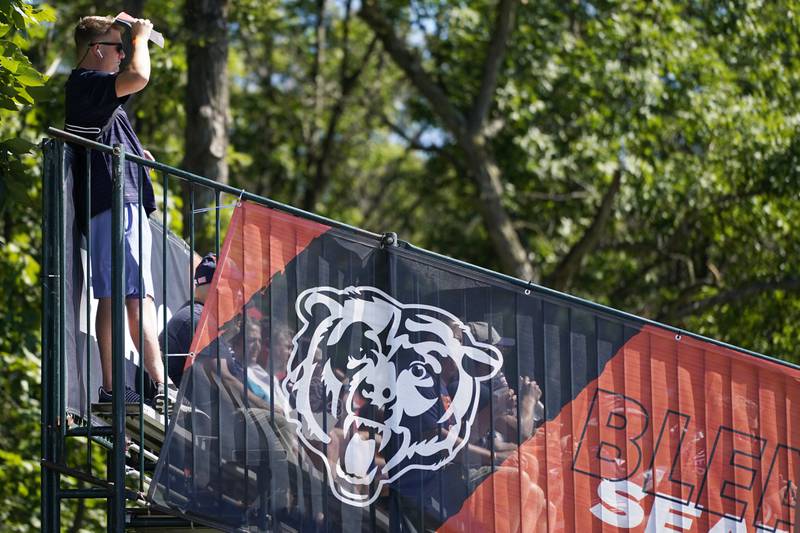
(55,420)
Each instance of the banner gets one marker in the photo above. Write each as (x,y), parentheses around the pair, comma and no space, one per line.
(341,385)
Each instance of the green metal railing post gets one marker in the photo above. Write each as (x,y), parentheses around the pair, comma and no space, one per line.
(140,372)
(87,221)
(60,368)
(117,474)
(165,285)
(51,339)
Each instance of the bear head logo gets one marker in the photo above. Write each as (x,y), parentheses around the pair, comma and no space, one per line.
(377,388)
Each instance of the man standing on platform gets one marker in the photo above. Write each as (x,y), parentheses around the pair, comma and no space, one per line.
(95,92)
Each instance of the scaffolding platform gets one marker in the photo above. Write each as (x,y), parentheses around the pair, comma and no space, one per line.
(152,423)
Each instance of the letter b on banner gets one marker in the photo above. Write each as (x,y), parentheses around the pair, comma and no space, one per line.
(609,445)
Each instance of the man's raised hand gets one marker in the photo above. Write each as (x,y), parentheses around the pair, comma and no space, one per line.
(141,28)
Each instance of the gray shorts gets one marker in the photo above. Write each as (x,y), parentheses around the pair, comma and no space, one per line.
(101,253)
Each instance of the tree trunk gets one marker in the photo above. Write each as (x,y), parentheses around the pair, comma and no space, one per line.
(322,155)
(206,135)
(467,130)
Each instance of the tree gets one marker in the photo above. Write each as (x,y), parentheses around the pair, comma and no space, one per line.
(619,161)
(468,127)
(310,103)
(206,103)
(20,237)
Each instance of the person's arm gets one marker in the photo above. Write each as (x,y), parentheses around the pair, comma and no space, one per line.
(135,77)
(235,386)
(501,453)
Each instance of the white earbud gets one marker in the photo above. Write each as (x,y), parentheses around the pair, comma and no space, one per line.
(100,54)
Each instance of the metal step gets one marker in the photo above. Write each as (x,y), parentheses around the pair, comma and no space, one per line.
(153,520)
(152,420)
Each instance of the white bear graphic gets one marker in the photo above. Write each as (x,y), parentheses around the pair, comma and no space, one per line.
(365,386)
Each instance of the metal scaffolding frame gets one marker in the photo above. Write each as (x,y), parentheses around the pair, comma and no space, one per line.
(54,417)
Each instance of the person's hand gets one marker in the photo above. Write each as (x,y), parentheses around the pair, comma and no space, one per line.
(141,28)
(534,388)
(508,401)
(530,393)
(148,155)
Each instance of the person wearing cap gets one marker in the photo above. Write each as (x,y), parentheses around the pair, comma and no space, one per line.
(94,94)
(180,328)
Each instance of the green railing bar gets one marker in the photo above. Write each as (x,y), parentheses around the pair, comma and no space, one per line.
(117,522)
(161,522)
(217,231)
(164,284)
(217,236)
(87,196)
(62,317)
(191,310)
(80,475)
(139,185)
(97,493)
(243,362)
(50,478)
(89,431)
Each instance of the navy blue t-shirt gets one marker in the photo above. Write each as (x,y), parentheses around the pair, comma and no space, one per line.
(91,100)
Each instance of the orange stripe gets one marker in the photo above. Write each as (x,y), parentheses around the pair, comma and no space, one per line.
(688,408)
(260,242)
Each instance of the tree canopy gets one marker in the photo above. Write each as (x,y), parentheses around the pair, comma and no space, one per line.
(642,154)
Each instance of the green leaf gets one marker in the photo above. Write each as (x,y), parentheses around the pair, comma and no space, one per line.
(18,18)
(40,93)
(8,103)
(17,145)
(45,13)
(22,11)
(30,77)
(23,97)
(9,64)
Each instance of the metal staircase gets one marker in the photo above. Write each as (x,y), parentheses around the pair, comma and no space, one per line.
(130,434)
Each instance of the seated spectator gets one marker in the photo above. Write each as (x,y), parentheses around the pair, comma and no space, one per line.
(177,337)
(531,408)
(259,381)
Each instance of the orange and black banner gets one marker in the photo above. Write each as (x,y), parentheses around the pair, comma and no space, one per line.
(338,384)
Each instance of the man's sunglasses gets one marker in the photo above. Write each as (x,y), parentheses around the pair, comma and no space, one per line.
(117,45)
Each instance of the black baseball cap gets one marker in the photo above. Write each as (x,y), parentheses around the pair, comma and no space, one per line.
(205,270)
